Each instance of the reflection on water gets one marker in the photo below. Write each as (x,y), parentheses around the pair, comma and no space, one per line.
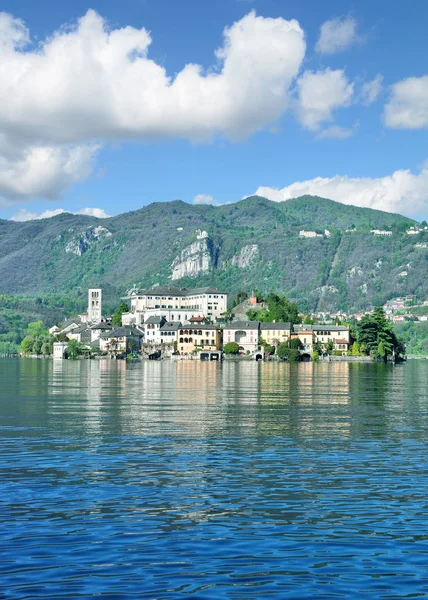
(233,480)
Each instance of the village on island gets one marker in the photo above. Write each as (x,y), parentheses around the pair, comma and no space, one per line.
(178,323)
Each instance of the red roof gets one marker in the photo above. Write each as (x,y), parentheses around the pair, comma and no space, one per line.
(342,342)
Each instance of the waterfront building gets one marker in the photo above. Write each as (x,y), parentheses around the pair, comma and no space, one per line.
(308,335)
(99,328)
(202,337)
(152,327)
(120,340)
(275,333)
(244,333)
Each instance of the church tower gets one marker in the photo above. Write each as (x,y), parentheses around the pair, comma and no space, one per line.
(94,305)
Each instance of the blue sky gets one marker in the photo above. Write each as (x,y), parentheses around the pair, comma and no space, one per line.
(334,103)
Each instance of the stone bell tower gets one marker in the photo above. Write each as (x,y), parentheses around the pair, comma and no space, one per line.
(94,305)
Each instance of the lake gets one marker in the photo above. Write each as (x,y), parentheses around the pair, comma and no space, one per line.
(233,480)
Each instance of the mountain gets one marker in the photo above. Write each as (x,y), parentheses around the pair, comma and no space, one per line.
(250,244)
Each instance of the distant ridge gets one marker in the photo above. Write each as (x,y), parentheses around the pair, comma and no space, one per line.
(253,243)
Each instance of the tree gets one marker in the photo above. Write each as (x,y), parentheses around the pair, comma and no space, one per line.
(355,350)
(329,347)
(283,350)
(278,309)
(231,348)
(295,344)
(117,317)
(74,349)
(35,329)
(27,345)
(308,320)
(375,329)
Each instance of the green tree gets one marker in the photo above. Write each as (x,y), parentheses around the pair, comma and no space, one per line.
(315,356)
(283,350)
(293,355)
(231,348)
(375,329)
(74,349)
(329,347)
(355,350)
(27,345)
(35,329)
(117,317)
(295,344)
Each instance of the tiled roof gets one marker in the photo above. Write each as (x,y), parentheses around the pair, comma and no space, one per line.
(275,326)
(171,326)
(243,325)
(124,332)
(154,320)
(176,291)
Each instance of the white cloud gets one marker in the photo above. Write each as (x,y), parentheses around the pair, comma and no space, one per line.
(26,215)
(371,90)
(204,199)
(337,35)
(402,192)
(43,171)
(408,105)
(319,94)
(91,84)
(335,133)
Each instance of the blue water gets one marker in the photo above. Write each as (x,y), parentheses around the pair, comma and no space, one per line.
(160,480)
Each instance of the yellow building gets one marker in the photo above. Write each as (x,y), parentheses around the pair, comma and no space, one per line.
(310,334)
(275,333)
(202,337)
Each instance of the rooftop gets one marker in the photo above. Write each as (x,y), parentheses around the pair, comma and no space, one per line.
(171,326)
(272,326)
(164,290)
(243,325)
(124,332)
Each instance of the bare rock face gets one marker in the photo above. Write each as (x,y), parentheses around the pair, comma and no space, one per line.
(196,258)
(81,243)
(246,256)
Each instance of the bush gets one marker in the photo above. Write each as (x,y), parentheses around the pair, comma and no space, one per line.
(294,355)
(315,356)
(231,348)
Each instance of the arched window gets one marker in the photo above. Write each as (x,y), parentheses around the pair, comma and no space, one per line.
(190,340)
(186,340)
(181,332)
(190,332)
(200,332)
(181,340)
(186,332)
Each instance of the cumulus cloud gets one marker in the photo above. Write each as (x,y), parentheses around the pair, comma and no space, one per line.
(26,215)
(337,35)
(402,192)
(90,83)
(407,107)
(370,90)
(204,199)
(43,171)
(319,94)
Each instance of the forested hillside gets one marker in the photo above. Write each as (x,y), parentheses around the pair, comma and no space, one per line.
(253,243)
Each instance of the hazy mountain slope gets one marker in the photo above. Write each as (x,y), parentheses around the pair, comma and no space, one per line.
(252,243)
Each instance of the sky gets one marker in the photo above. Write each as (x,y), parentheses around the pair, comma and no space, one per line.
(109,106)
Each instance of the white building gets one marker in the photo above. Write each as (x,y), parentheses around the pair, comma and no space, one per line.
(59,349)
(175,304)
(94,305)
(309,234)
(380,232)
(244,333)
